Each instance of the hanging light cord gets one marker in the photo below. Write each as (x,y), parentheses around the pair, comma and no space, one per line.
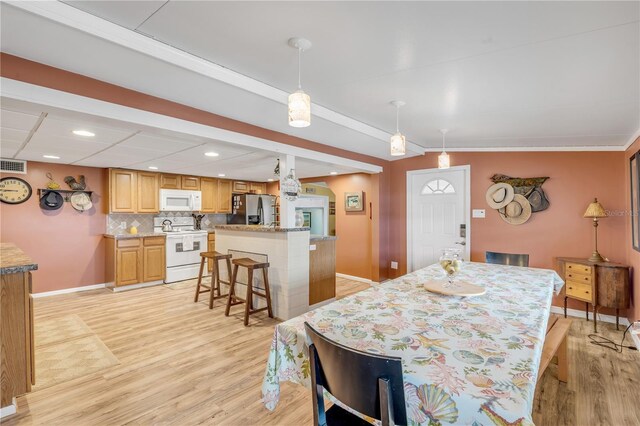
(443,142)
(397,118)
(610,344)
(299,67)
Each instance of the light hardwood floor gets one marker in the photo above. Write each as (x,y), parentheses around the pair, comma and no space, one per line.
(181,363)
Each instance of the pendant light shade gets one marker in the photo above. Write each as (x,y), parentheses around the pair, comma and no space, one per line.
(299,109)
(299,101)
(444,161)
(398,143)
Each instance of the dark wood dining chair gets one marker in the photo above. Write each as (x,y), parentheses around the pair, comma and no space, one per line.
(369,384)
(507,258)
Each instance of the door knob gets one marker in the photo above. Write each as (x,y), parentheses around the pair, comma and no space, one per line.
(463,243)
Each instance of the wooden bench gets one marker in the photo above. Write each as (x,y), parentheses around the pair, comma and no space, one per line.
(555,343)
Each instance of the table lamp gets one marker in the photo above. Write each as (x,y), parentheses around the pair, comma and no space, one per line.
(595,211)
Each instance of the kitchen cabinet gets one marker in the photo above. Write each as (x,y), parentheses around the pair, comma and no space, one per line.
(135,260)
(168,181)
(257,188)
(153,259)
(123,191)
(224,196)
(148,192)
(191,183)
(16,324)
(211,247)
(240,187)
(209,188)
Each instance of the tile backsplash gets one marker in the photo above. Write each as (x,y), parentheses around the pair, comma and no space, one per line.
(144,222)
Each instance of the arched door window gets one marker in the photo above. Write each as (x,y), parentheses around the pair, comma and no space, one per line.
(438,186)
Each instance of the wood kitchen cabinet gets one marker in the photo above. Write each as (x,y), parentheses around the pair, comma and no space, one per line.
(16,324)
(322,270)
(191,183)
(148,192)
(168,181)
(257,188)
(153,259)
(123,190)
(135,260)
(224,196)
(240,187)
(209,188)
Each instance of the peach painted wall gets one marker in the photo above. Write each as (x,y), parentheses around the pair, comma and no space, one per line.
(575,178)
(67,245)
(633,257)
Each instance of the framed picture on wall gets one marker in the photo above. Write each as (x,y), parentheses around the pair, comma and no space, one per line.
(307,219)
(634,161)
(353,201)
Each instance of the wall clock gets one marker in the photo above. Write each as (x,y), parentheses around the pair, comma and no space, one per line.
(14,190)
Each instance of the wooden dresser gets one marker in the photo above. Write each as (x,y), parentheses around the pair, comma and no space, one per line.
(16,323)
(603,284)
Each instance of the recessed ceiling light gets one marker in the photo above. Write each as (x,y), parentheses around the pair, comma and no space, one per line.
(153,168)
(221,175)
(54,157)
(211,154)
(333,173)
(84,133)
(269,180)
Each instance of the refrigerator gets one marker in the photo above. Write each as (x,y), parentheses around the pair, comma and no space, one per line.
(251,209)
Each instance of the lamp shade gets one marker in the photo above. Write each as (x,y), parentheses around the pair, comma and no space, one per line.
(398,144)
(444,161)
(299,109)
(595,210)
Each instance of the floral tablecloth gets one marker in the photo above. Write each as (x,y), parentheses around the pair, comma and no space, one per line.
(471,361)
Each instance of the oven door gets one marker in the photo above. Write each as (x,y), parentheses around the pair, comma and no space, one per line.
(177,256)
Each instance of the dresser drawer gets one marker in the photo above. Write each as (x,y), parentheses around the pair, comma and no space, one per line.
(580,278)
(577,268)
(579,291)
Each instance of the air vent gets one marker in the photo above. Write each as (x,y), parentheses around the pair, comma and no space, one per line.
(13,166)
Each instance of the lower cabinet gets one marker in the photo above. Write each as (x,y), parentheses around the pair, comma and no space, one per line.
(135,260)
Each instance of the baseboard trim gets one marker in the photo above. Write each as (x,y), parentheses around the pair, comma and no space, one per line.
(354,278)
(136,286)
(68,290)
(580,314)
(9,410)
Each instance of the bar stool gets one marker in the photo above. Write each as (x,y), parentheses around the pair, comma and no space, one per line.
(251,265)
(214,287)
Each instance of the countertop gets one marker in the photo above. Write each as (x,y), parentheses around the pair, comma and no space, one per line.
(323,238)
(259,228)
(13,260)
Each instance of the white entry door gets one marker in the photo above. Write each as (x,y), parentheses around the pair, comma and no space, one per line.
(437,214)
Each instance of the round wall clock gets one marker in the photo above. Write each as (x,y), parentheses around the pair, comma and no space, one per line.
(14,190)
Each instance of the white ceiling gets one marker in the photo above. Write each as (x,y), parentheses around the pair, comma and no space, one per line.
(497,74)
(30,131)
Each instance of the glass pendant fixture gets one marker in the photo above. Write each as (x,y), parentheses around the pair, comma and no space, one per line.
(443,159)
(299,101)
(398,143)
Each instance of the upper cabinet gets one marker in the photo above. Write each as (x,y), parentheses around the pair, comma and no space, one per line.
(240,187)
(148,190)
(257,188)
(191,183)
(209,188)
(123,191)
(170,181)
(224,196)
(133,192)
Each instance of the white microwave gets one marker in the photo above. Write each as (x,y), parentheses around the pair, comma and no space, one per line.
(178,200)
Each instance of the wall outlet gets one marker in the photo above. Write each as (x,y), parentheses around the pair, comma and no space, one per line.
(123,225)
(394,265)
(479,213)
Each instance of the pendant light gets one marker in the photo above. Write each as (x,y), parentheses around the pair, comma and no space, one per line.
(299,102)
(443,159)
(398,141)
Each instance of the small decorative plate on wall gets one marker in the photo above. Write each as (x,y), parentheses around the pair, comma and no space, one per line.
(14,190)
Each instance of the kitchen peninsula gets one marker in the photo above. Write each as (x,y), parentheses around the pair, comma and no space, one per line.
(301,266)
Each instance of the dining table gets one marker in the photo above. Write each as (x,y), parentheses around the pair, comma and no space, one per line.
(466,360)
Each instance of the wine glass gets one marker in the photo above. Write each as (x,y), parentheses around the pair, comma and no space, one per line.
(451,263)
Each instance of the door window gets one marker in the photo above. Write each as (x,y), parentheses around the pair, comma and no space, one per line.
(437,186)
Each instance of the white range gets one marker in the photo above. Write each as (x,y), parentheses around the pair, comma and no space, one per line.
(183,247)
